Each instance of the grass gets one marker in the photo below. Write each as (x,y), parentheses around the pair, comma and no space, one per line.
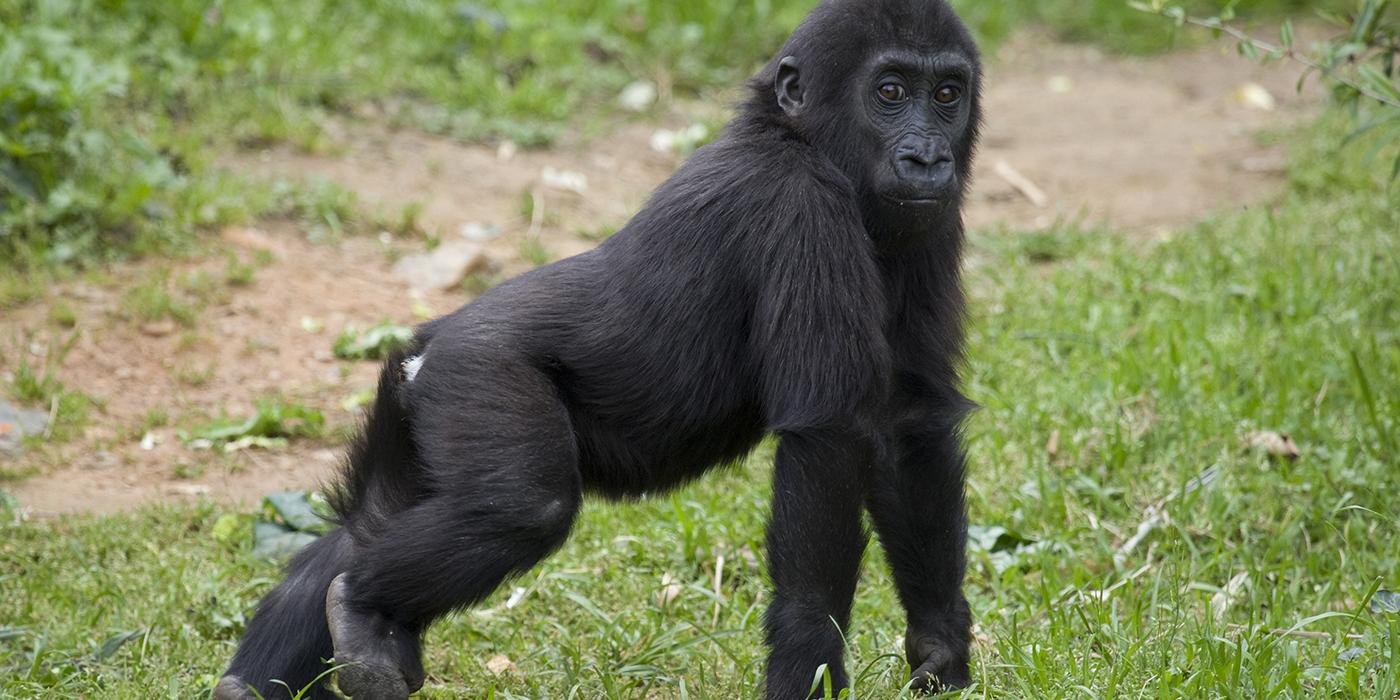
(113,114)
(37,385)
(1118,379)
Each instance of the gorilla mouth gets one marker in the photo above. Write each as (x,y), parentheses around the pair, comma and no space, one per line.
(913,200)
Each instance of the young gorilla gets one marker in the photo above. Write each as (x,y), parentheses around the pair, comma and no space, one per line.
(800,276)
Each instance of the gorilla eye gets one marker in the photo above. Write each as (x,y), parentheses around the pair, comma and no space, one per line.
(947,95)
(893,92)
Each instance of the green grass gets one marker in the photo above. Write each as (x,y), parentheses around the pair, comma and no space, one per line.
(35,384)
(113,111)
(1152,364)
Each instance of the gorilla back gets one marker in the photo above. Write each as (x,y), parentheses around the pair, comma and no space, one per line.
(799,277)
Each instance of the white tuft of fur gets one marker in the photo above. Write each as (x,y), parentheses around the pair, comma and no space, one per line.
(411,367)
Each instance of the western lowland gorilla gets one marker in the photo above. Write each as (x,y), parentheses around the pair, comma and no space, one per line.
(799,277)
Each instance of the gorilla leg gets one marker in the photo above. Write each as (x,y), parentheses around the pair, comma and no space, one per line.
(287,639)
(815,543)
(916,503)
(504,490)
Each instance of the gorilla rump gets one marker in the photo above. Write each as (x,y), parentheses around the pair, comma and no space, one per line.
(799,276)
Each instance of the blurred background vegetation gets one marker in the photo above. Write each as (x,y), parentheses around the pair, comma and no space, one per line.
(111,110)
(1126,382)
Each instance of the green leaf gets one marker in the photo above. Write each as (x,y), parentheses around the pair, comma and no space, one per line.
(274,542)
(374,344)
(294,508)
(1286,33)
(995,538)
(1383,120)
(115,643)
(1385,603)
(233,529)
(1379,83)
(269,428)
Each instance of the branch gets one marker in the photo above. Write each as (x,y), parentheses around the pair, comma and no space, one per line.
(1284,52)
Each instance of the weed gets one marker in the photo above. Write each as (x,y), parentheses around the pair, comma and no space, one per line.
(271,426)
(373,344)
(153,301)
(533,251)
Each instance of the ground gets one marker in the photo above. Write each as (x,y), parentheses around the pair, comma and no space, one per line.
(1182,476)
(1142,145)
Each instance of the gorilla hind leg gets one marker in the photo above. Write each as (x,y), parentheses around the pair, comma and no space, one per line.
(499,452)
(287,639)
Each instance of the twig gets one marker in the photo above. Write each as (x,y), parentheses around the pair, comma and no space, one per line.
(53,417)
(719,583)
(1299,634)
(1289,53)
(1021,183)
(1157,513)
(536,213)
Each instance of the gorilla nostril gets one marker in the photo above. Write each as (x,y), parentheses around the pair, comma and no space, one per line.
(917,156)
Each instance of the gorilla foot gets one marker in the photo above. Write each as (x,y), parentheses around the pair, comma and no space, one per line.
(378,658)
(233,688)
(938,666)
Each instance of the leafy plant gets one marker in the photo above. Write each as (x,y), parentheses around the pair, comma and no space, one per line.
(270,427)
(70,180)
(1361,62)
(373,344)
(41,387)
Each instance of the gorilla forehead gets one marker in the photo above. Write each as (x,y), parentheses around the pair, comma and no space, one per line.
(845,29)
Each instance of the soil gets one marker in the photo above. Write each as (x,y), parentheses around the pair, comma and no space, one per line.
(1143,145)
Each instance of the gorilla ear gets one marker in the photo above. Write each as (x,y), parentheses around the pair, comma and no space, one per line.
(791,96)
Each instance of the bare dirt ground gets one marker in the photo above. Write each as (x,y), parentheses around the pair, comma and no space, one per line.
(1143,145)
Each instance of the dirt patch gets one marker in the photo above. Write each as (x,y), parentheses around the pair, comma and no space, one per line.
(1141,144)
(249,342)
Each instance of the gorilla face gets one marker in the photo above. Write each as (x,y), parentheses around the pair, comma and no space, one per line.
(914,110)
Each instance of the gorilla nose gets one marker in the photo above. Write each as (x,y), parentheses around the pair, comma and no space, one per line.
(929,164)
(923,154)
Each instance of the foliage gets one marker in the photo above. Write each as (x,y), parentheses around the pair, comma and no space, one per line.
(67,175)
(113,112)
(1361,63)
(1153,362)
(373,344)
(29,384)
(270,426)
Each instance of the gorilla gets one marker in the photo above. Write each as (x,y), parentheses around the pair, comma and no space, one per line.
(798,277)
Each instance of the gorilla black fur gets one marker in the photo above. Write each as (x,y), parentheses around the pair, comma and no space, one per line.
(800,277)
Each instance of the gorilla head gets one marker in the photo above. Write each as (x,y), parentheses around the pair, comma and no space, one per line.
(890,92)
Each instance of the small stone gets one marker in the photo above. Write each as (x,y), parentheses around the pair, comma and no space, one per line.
(191,490)
(1256,96)
(500,664)
(441,268)
(101,461)
(158,329)
(565,180)
(480,233)
(684,141)
(637,97)
(15,423)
